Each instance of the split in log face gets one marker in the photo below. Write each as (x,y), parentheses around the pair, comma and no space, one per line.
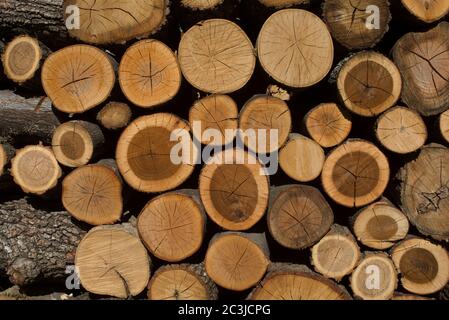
(35,169)
(265,113)
(235,196)
(369,83)
(103,22)
(235,262)
(172,226)
(299,216)
(301,158)
(380,225)
(303,55)
(114,115)
(201,4)
(143,153)
(424,191)
(401,130)
(149,73)
(281,3)
(182,282)
(75,142)
(375,264)
(112,262)
(427,10)
(424,266)
(218,112)
(327,125)
(355,173)
(347,21)
(78,78)
(422,59)
(93,194)
(216,56)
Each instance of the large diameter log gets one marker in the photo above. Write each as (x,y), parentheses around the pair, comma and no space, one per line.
(26,120)
(302,54)
(216,56)
(421,58)
(427,11)
(296,282)
(35,244)
(424,193)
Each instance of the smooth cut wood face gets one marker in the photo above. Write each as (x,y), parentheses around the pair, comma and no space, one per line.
(235,262)
(115,115)
(427,10)
(201,4)
(280,3)
(295,48)
(172,227)
(355,174)
(78,78)
(347,21)
(103,22)
(149,73)
(216,56)
(93,194)
(444,125)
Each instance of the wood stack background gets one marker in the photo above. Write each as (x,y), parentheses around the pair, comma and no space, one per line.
(86,178)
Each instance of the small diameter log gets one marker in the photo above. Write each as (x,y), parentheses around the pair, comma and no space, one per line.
(78,78)
(350,25)
(26,120)
(22,60)
(427,11)
(369,83)
(303,52)
(301,158)
(218,112)
(172,225)
(112,261)
(216,56)
(424,266)
(149,73)
(421,58)
(237,261)
(35,244)
(182,282)
(281,3)
(327,125)
(375,278)
(355,173)
(296,282)
(144,153)
(76,143)
(35,169)
(199,5)
(380,225)
(443,125)
(102,24)
(298,216)
(6,154)
(260,118)
(234,193)
(190,12)
(337,254)
(114,115)
(93,194)
(401,130)
(424,191)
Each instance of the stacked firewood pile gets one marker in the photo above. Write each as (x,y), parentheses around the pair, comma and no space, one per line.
(349,198)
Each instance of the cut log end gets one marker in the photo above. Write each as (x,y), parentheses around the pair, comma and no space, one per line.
(337,254)
(35,169)
(235,262)
(355,173)
(265,113)
(427,11)
(201,4)
(224,69)
(327,125)
(424,266)
(217,112)
(115,115)
(304,35)
(301,158)
(182,282)
(149,74)
(172,226)
(443,125)
(375,278)
(299,216)
(78,78)
(281,3)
